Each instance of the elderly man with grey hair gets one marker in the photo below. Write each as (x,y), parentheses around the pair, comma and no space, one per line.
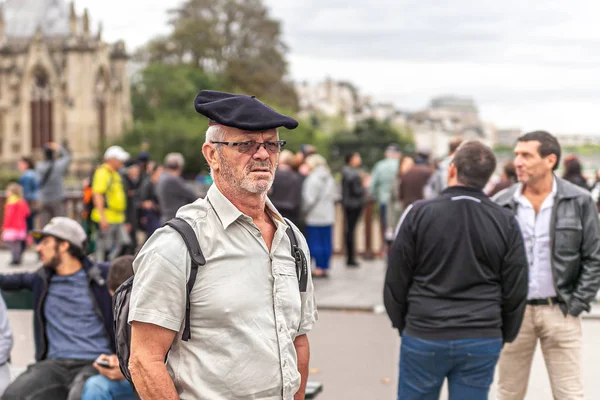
(252,305)
(171,190)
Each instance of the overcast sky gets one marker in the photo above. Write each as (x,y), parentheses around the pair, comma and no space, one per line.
(533,65)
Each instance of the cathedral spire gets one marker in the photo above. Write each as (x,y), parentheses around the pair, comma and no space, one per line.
(86,23)
(73,19)
(2,25)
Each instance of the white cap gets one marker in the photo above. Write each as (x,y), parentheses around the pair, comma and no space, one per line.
(63,228)
(116,153)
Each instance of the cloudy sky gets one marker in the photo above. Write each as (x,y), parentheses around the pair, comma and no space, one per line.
(533,65)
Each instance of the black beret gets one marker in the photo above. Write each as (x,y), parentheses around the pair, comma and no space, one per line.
(240,111)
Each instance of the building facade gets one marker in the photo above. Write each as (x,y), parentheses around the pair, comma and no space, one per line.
(446,118)
(59,81)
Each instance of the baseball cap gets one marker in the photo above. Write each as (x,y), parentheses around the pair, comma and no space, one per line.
(63,228)
(116,153)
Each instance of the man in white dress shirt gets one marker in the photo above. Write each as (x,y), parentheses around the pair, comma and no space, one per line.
(561,230)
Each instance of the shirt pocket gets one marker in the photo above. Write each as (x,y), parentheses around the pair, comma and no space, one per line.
(287,294)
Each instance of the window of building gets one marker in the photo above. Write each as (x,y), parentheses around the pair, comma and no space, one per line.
(41,110)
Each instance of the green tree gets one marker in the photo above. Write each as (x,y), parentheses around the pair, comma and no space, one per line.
(235,39)
(162,88)
(370,138)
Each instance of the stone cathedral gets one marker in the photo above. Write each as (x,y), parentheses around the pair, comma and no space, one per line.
(59,81)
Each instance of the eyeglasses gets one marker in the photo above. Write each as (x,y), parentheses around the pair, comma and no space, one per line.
(246,147)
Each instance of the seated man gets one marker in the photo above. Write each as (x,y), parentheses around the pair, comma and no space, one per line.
(73,322)
(111,384)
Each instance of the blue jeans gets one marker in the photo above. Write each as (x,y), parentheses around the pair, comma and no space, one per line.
(467,363)
(99,387)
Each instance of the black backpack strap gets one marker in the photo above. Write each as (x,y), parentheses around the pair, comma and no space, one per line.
(299,257)
(190,240)
(47,174)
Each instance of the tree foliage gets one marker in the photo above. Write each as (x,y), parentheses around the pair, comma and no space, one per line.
(166,121)
(235,39)
(370,138)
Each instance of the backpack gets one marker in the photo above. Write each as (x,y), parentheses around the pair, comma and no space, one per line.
(123,293)
(88,196)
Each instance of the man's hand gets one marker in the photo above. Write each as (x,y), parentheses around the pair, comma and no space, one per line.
(128,227)
(54,146)
(113,372)
(104,225)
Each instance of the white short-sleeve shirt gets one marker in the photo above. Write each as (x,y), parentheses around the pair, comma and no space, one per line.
(246,306)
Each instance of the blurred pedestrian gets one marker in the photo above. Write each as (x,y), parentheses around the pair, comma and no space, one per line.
(383,178)
(171,189)
(110,205)
(149,201)
(132,181)
(14,225)
(437,182)
(573,172)
(318,207)
(51,175)
(31,187)
(413,182)
(508,178)
(395,207)
(353,200)
(286,192)
(456,284)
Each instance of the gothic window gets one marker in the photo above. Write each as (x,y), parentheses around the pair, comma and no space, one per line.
(41,110)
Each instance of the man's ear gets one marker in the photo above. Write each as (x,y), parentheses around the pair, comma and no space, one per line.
(452,172)
(210,155)
(551,159)
(63,247)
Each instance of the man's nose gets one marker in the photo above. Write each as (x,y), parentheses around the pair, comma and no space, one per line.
(261,153)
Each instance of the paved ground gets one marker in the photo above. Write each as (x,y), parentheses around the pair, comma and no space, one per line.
(354,353)
(355,356)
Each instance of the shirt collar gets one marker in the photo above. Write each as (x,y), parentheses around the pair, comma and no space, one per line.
(519,192)
(228,213)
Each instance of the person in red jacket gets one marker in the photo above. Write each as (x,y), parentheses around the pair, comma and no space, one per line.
(14,226)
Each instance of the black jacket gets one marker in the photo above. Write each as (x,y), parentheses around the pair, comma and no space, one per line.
(575,241)
(286,193)
(353,192)
(39,281)
(457,269)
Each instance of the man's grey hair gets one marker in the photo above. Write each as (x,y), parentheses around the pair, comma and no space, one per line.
(174,161)
(215,133)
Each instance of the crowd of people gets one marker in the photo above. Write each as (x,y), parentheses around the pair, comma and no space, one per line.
(479,268)
(475,282)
